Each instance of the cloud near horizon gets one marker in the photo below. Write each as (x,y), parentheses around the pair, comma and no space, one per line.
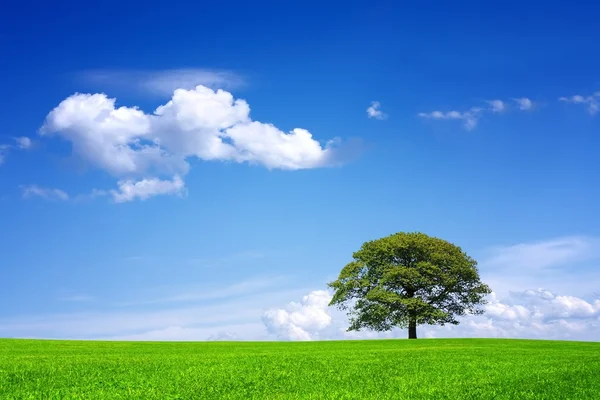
(533,298)
(149,153)
(533,313)
(519,307)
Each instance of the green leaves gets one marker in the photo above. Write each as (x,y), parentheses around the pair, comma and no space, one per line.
(408,276)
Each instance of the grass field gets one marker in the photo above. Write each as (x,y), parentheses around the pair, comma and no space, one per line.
(382,369)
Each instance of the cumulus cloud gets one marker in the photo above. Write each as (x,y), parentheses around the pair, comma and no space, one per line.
(146,188)
(161,82)
(374,111)
(198,123)
(524,103)
(539,314)
(592,102)
(300,321)
(469,118)
(496,105)
(29,191)
(535,313)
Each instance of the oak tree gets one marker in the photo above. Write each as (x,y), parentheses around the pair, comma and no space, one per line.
(408,279)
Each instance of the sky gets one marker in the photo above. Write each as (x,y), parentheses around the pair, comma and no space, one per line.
(200,172)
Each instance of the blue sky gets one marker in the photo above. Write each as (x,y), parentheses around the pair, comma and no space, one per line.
(207,216)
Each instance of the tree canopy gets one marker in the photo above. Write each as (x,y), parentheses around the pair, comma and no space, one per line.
(408,279)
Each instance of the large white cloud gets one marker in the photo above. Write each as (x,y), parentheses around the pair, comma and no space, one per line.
(300,321)
(201,122)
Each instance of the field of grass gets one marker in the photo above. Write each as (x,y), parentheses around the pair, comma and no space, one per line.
(382,369)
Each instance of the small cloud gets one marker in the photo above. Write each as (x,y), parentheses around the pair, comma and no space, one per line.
(23,142)
(29,191)
(592,102)
(146,188)
(469,118)
(496,106)
(222,337)
(525,104)
(374,111)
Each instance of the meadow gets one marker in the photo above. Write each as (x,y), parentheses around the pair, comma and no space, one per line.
(376,369)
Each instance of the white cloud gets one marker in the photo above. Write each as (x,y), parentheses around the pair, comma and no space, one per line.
(524,103)
(496,106)
(592,102)
(301,321)
(374,111)
(130,190)
(200,123)
(527,314)
(238,314)
(162,82)
(537,314)
(45,193)
(469,118)
(23,142)
(562,265)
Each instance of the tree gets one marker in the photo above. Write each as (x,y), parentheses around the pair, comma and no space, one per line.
(406,280)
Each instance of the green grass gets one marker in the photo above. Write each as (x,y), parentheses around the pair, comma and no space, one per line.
(382,369)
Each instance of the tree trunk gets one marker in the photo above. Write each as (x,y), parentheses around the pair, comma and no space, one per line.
(412,328)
